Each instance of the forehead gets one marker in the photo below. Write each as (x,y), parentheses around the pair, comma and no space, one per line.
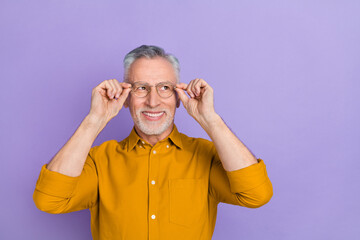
(152,71)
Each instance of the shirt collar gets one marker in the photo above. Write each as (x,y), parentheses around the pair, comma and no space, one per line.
(133,139)
(174,137)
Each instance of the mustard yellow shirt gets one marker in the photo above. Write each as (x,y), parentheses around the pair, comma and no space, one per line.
(168,191)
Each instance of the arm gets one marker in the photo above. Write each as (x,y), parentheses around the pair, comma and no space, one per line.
(236,177)
(233,153)
(69,182)
(71,158)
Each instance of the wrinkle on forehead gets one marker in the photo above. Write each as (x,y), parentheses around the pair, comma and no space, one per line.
(152,71)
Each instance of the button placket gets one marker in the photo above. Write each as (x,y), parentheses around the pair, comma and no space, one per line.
(153,190)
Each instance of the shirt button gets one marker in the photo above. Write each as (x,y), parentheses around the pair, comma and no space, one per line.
(167,146)
(153,216)
(153,182)
(154,152)
(143,142)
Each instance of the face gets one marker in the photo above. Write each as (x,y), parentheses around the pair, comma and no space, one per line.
(152,115)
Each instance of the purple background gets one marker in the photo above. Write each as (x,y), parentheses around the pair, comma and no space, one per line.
(286,80)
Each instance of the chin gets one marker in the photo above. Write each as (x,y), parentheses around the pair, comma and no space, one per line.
(153,130)
(150,127)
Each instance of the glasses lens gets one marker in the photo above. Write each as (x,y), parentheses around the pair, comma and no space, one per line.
(165,90)
(140,90)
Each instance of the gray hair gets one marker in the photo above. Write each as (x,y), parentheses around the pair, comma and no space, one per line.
(150,52)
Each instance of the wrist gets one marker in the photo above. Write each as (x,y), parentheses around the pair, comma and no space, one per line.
(210,121)
(95,122)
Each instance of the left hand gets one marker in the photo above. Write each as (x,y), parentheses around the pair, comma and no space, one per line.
(200,104)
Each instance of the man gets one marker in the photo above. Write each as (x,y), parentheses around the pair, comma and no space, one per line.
(157,183)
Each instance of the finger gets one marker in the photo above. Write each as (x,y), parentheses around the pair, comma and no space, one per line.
(123,96)
(125,85)
(199,86)
(100,90)
(182,95)
(195,87)
(118,88)
(108,89)
(189,88)
(113,88)
(105,87)
(181,86)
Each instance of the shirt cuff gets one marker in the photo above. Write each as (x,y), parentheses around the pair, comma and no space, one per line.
(247,178)
(55,184)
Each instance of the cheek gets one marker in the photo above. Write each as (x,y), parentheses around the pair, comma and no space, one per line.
(135,104)
(172,105)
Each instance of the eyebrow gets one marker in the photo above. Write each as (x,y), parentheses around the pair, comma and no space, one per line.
(145,83)
(140,82)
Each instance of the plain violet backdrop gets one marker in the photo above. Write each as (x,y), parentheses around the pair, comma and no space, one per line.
(286,80)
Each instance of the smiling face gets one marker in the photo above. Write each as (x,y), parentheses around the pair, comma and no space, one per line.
(152,115)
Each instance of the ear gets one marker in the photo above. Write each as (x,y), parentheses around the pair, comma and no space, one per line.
(177,100)
(126,103)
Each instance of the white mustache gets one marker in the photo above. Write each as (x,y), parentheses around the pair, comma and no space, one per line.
(152,110)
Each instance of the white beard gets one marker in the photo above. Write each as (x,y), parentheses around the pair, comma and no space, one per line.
(153,127)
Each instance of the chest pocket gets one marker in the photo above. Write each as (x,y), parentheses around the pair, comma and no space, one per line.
(188,201)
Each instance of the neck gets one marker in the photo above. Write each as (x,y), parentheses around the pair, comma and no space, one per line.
(153,139)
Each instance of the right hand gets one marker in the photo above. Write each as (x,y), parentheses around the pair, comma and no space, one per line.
(108,98)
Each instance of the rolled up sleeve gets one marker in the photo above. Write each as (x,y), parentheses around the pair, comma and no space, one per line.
(248,187)
(58,193)
(55,184)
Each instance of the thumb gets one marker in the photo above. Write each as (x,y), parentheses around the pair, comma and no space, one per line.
(182,95)
(124,94)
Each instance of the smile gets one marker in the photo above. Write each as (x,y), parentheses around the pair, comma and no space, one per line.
(153,115)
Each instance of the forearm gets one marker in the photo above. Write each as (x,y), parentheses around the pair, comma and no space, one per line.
(71,157)
(233,153)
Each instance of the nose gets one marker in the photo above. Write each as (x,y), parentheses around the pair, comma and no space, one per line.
(153,99)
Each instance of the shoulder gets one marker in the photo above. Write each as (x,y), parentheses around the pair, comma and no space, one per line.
(107,148)
(197,143)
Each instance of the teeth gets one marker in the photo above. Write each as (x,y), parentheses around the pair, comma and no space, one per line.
(153,114)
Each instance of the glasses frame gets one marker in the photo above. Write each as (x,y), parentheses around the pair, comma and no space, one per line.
(150,87)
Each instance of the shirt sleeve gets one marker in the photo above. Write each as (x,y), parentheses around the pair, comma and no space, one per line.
(248,187)
(58,193)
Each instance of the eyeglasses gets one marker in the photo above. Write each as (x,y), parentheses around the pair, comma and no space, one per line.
(164,89)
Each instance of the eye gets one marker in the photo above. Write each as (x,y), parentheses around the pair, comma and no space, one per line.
(165,87)
(140,88)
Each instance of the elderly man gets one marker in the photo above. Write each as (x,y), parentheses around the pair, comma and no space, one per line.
(157,183)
